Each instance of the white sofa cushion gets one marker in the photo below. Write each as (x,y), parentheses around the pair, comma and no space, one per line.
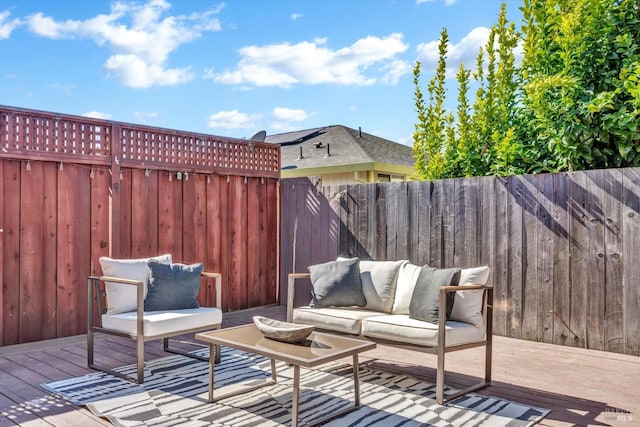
(379,279)
(339,319)
(407,277)
(122,298)
(401,328)
(164,322)
(467,305)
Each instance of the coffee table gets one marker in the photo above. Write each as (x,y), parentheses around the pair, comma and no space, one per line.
(320,348)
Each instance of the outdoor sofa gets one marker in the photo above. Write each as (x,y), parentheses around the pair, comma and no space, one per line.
(400,304)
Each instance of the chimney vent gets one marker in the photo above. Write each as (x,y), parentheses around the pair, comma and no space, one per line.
(328,152)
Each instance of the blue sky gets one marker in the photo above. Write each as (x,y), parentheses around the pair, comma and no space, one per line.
(236,67)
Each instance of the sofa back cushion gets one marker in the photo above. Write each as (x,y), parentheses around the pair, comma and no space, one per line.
(379,280)
(336,283)
(425,301)
(467,305)
(407,277)
(121,298)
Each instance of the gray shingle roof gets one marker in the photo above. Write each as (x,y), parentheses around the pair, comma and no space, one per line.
(345,145)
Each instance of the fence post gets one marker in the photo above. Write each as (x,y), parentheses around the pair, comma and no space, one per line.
(114,209)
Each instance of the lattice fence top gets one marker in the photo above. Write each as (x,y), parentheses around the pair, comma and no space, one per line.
(29,134)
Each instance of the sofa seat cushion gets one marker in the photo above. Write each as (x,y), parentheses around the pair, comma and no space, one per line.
(164,322)
(338,319)
(402,328)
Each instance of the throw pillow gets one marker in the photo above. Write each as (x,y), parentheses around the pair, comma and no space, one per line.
(173,286)
(467,305)
(336,283)
(425,301)
(407,278)
(122,298)
(379,280)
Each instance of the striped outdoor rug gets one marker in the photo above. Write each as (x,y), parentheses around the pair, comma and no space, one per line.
(175,393)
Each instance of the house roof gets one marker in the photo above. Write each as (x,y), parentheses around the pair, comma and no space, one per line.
(344,145)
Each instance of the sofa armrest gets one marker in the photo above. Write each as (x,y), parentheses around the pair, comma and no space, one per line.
(291,292)
(487,310)
(94,284)
(218,279)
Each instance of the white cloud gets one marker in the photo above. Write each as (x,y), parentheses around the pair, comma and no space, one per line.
(97,115)
(285,119)
(7,25)
(233,119)
(296,16)
(312,63)
(135,72)
(466,51)
(141,37)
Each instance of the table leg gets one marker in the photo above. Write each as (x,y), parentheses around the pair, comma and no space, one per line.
(274,377)
(212,364)
(296,396)
(356,380)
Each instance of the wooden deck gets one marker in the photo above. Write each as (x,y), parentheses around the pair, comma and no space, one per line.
(581,387)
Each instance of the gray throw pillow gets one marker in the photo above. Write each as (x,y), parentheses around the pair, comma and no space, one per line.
(425,301)
(173,286)
(337,284)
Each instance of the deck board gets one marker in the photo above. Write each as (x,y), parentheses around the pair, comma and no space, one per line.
(581,387)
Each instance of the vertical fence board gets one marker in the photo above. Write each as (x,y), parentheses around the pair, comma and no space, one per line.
(436,225)
(214,236)
(580,260)
(423,194)
(254,294)
(494,248)
(144,218)
(596,280)
(270,241)
(238,243)
(391,220)
(11,252)
(170,220)
(531,303)
(37,240)
(125,203)
(516,256)
(631,268)
(560,211)
(545,264)
(403,221)
(613,301)
(73,249)
(225,242)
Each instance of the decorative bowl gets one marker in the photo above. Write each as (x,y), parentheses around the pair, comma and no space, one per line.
(282,331)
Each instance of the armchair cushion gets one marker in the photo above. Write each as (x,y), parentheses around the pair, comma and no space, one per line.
(425,301)
(336,283)
(121,298)
(173,286)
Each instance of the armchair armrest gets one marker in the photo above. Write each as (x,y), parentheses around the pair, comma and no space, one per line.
(218,278)
(291,292)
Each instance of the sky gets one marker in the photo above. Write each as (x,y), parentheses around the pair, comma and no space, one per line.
(237,67)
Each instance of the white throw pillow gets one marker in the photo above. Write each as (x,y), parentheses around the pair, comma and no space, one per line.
(122,298)
(379,279)
(467,305)
(407,278)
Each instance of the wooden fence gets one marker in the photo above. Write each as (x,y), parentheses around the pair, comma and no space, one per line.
(563,248)
(73,189)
